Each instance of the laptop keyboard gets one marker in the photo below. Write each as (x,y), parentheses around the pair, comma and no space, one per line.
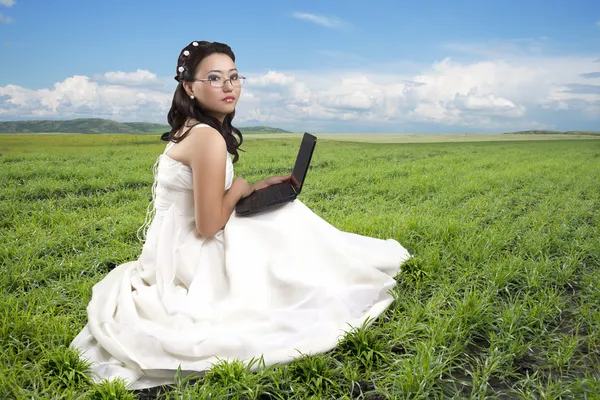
(274,193)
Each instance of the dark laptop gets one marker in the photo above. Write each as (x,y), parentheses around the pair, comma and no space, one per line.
(283,192)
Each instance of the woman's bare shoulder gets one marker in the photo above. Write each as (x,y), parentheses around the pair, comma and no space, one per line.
(205,134)
(192,125)
(199,141)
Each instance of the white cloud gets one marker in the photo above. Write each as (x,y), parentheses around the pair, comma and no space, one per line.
(139,77)
(79,96)
(521,92)
(271,78)
(7,3)
(330,22)
(500,48)
(5,20)
(478,95)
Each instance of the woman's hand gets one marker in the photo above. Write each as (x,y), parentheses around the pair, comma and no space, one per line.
(274,180)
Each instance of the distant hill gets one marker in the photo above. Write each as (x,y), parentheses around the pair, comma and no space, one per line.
(81,125)
(99,125)
(262,129)
(548,132)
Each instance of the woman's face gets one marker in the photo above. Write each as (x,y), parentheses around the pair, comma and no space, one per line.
(218,68)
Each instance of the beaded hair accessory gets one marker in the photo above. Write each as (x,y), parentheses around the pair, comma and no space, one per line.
(180,67)
(184,56)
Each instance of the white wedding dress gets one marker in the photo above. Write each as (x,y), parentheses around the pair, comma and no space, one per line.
(276,284)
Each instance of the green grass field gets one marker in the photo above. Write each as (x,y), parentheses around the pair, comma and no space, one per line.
(428,138)
(501,298)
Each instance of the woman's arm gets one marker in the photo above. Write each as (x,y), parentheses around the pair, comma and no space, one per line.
(213,206)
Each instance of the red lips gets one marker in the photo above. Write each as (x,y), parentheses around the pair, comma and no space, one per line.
(229,98)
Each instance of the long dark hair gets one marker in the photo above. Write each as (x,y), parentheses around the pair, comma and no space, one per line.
(183,107)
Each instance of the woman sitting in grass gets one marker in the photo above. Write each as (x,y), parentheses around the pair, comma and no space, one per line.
(210,285)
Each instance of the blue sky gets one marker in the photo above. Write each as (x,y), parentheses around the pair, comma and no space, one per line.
(336,66)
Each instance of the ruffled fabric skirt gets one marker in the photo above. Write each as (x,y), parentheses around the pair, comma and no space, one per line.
(277,284)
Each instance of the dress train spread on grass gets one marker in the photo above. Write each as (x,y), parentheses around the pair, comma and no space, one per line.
(276,284)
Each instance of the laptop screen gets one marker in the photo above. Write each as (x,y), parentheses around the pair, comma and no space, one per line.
(303,160)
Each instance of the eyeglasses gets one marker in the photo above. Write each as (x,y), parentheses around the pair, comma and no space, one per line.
(219,82)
